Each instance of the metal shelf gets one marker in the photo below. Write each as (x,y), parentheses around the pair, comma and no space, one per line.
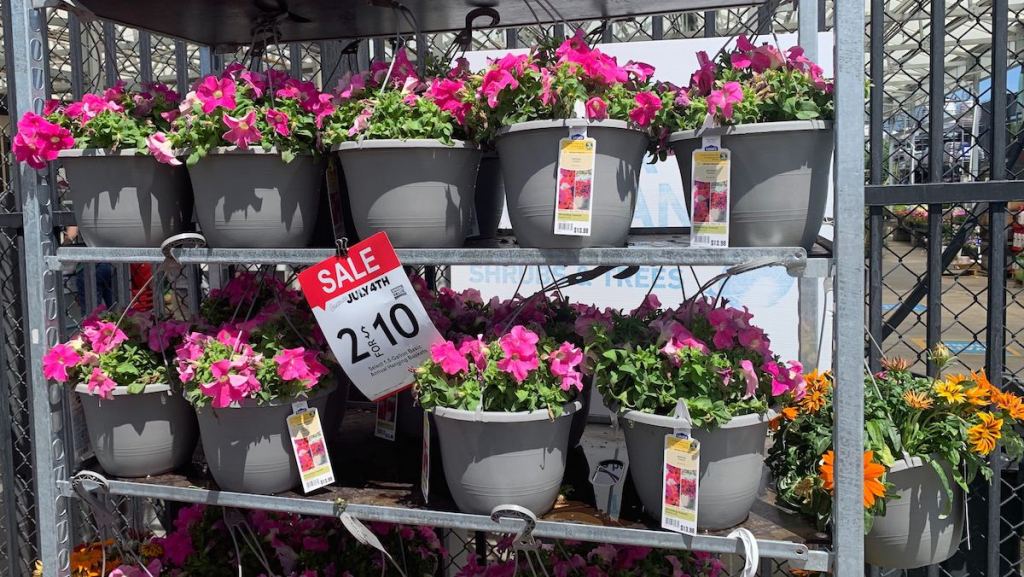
(231,22)
(387,490)
(643,249)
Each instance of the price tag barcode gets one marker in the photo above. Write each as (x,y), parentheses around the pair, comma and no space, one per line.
(708,240)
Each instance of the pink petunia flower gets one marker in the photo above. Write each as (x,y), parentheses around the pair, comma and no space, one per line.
(256,82)
(564,361)
(596,108)
(647,106)
(520,348)
(446,94)
(361,122)
(215,92)
(495,80)
(58,360)
(724,99)
(291,364)
(177,546)
(103,336)
(278,121)
(152,570)
(451,361)
(350,85)
(100,384)
(750,376)
(322,105)
(160,148)
(162,335)
(477,350)
(639,70)
(703,80)
(242,131)
(39,141)
(547,92)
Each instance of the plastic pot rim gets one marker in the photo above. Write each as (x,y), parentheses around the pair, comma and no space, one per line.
(122,390)
(752,128)
(669,422)
(323,391)
(397,143)
(566,123)
(501,416)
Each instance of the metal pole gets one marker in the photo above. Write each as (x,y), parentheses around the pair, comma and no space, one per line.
(807,28)
(145,58)
(27,84)
(936,152)
(109,54)
(996,330)
(809,306)
(181,68)
(876,213)
(848,507)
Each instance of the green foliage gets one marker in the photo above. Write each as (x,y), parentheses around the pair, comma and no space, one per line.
(392,117)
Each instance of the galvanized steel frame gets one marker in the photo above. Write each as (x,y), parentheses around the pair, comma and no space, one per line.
(26,25)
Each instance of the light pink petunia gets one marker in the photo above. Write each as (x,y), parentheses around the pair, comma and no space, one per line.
(160,148)
(242,131)
(596,108)
(100,384)
(750,376)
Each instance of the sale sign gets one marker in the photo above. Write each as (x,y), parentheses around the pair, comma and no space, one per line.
(371,316)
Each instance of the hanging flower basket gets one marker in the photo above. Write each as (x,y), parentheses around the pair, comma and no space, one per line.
(123,198)
(247,444)
(139,434)
(420,191)
(921,525)
(779,180)
(529,165)
(731,465)
(253,199)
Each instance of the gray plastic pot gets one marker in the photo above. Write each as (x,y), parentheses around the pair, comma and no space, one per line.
(248,447)
(529,165)
(779,179)
(421,192)
(125,199)
(135,435)
(731,462)
(494,458)
(490,197)
(913,532)
(253,199)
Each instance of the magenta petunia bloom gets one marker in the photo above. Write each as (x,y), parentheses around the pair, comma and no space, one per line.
(451,361)
(103,336)
(647,105)
(39,141)
(242,131)
(477,350)
(564,361)
(291,364)
(445,93)
(278,121)
(520,348)
(58,360)
(214,92)
(496,80)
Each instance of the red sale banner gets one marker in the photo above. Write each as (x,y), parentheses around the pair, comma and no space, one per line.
(366,262)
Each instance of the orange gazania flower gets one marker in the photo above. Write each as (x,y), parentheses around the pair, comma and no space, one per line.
(917,400)
(1011,403)
(979,396)
(873,486)
(984,435)
(818,385)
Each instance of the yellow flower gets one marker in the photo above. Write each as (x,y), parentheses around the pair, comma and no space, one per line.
(952,392)
(917,400)
(957,379)
(984,435)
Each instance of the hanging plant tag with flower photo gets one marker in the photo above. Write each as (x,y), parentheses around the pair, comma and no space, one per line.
(309,447)
(367,308)
(709,190)
(679,487)
(575,186)
(387,418)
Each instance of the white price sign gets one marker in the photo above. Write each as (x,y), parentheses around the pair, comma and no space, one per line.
(373,320)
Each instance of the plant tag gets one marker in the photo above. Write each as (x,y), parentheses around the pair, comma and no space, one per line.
(679,487)
(575,185)
(374,322)
(425,465)
(682,413)
(387,418)
(709,189)
(310,448)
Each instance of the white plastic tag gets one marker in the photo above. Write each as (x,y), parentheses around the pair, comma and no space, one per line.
(682,414)
(679,487)
(574,189)
(387,418)
(751,552)
(709,194)
(309,447)
(375,324)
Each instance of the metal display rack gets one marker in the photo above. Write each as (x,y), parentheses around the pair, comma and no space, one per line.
(233,24)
